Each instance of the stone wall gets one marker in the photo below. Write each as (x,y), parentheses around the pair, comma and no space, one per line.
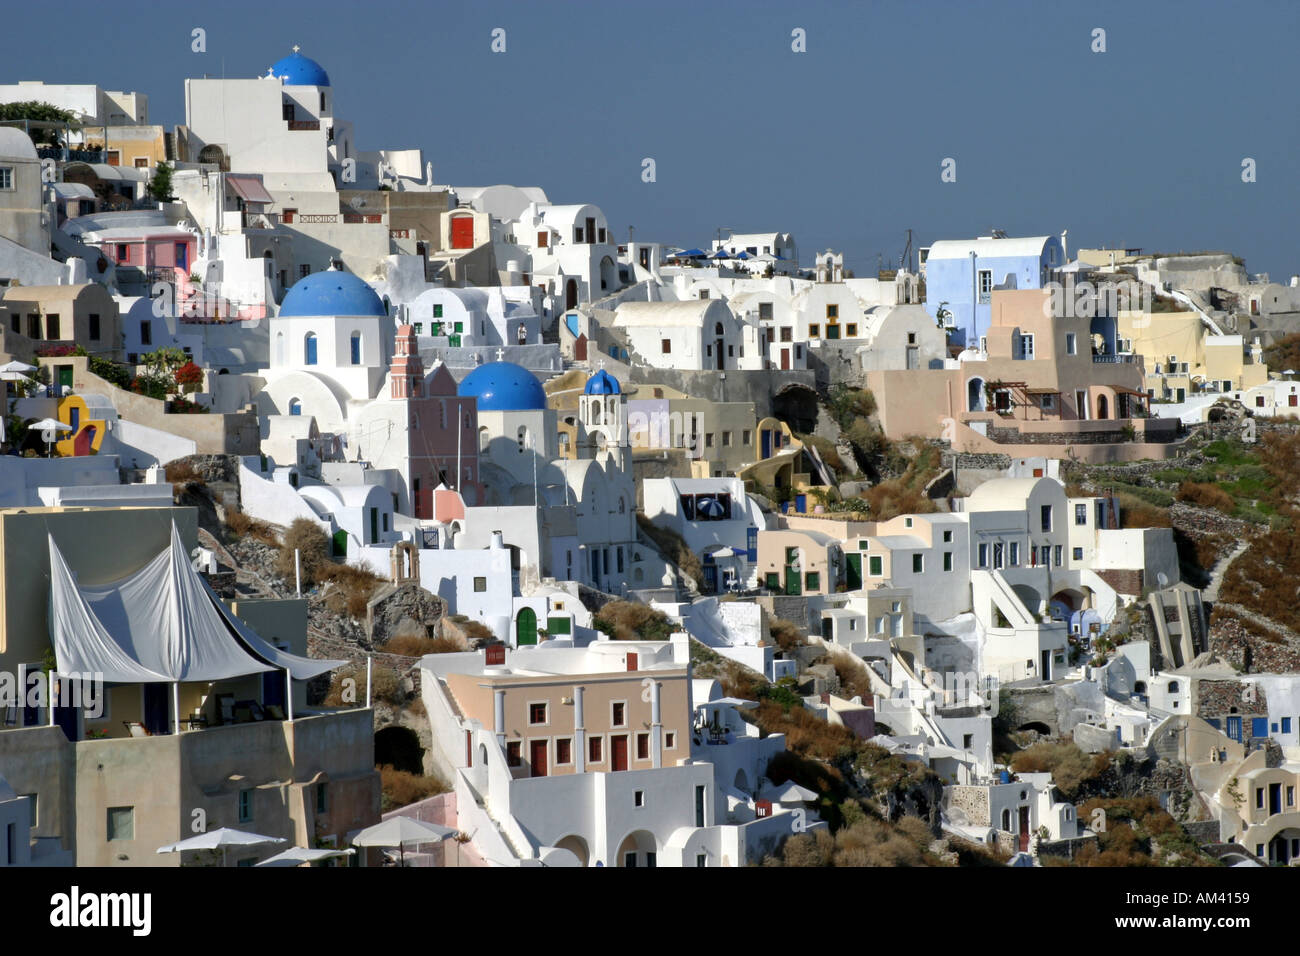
(972,802)
(1215,698)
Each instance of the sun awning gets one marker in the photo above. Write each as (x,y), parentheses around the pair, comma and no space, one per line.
(249,188)
(81,644)
(1042,391)
(160,619)
(1129,391)
(299,668)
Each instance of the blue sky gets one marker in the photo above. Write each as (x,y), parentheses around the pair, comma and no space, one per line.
(842,145)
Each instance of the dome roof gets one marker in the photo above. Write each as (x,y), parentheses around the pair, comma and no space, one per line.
(331,293)
(503,387)
(299,70)
(602,383)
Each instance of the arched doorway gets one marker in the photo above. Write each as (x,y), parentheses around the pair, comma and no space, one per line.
(608,274)
(975,395)
(1103,407)
(571,294)
(638,848)
(577,846)
(526,627)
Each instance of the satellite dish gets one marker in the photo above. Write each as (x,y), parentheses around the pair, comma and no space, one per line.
(357,202)
(1162,579)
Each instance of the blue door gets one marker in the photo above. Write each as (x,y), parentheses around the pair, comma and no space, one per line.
(311,349)
(751,543)
(182,255)
(156,708)
(1259,726)
(1234,728)
(766,436)
(801,503)
(273,689)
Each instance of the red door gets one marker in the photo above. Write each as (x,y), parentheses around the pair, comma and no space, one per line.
(632,661)
(287,215)
(537,758)
(618,752)
(785,358)
(462,232)
(1024,829)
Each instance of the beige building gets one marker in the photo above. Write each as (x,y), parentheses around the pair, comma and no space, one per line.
(799,561)
(119,769)
(54,315)
(555,724)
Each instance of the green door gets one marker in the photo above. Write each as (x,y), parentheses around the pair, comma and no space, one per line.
(65,375)
(792,583)
(526,627)
(854,571)
(374,525)
(340,544)
(557,626)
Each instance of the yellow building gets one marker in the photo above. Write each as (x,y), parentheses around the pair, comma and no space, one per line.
(1183,357)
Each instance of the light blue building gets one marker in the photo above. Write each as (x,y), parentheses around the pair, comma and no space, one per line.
(960,276)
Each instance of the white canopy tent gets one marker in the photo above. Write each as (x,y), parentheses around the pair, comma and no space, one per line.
(163,623)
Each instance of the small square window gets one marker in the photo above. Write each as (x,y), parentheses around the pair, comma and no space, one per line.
(666,346)
(814,330)
(1078,554)
(638,798)
(480,585)
(618,714)
(595,749)
(947,536)
(537,713)
(121,823)
(564,751)
(670,741)
(918,563)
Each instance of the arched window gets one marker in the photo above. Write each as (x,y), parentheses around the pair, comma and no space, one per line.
(295,407)
(356,348)
(483,439)
(595,412)
(309,349)
(279,348)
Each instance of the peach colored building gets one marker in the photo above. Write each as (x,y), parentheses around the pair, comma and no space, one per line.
(1036,379)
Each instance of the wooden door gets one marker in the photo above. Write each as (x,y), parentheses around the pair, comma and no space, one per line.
(1024,829)
(785,359)
(462,232)
(537,758)
(618,752)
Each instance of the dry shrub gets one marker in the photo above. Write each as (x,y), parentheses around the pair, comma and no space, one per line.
(477,631)
(181,473)
(805,733)
(1206,495)
(632,621)
(313,547)
(401,788)
(414,645)
(739,681)
(385,685)
(351,587)
(1069,766)
(1136,513)
(786,634)
(805,849)
(866,842)
(240,524)
(854,681)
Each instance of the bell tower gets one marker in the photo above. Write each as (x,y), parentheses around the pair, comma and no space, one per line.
(408,370)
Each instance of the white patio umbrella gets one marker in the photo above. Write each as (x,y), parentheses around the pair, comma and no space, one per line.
(18,368)
(298,855)
(47,427)
(402,832)
(220,839)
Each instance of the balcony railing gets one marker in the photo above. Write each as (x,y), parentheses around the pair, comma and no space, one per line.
(370,217)
(318,218)
(1112,359)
